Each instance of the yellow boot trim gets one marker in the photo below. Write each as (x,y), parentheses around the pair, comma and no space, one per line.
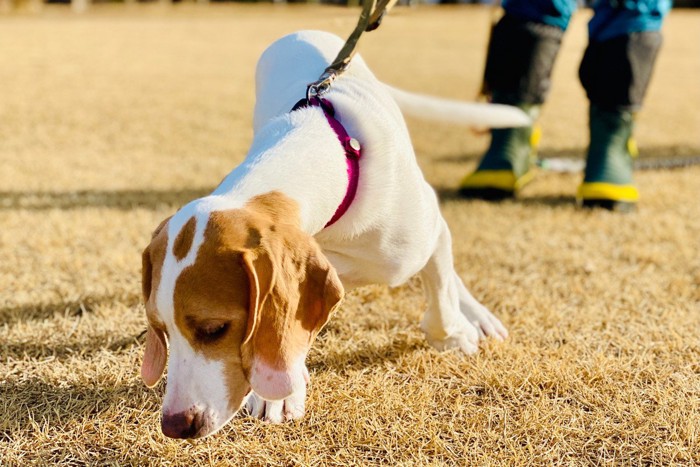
(501,179)
(535,138)
(632,147)
(601,190)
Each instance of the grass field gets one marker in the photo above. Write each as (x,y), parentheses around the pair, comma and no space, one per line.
(112,120)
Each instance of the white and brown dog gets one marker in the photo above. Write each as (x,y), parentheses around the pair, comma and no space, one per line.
(238,284)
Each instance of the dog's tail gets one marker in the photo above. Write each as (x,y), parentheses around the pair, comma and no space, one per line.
(459,112)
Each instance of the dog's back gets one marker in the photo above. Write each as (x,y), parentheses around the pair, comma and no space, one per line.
(387,233)
(285,69)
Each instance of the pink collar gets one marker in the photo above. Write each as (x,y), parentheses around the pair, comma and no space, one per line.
(352,152)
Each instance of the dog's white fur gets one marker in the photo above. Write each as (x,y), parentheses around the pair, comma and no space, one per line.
(392,231)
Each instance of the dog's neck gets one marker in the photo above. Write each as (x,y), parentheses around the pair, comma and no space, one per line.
(297,154)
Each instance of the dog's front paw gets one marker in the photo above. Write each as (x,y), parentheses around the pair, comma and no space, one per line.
(288,409)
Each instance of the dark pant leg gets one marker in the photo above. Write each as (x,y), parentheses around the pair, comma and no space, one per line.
(520,60)
(624,41)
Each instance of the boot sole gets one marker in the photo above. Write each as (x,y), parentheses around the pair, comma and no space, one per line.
(610,205)
(486,194)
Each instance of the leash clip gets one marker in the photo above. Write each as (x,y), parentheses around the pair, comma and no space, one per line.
(322,86)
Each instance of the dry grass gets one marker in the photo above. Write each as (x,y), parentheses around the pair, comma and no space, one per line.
(112,120)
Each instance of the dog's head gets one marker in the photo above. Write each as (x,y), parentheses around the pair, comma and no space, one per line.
(234,300)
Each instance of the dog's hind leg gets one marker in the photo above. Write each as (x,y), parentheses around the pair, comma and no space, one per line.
(454,319)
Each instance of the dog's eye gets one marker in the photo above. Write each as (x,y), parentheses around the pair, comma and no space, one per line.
(210,332)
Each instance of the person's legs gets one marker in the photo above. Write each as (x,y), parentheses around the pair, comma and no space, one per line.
(624,40)
(521,55)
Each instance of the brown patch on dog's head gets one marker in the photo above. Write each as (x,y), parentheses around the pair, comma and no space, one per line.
(183,241)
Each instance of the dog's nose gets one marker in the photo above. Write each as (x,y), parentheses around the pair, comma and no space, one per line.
(183,425)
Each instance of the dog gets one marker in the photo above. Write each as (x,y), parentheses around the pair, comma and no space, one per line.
(238,284)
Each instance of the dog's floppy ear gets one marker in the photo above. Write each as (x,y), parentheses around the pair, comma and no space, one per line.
(322,291)
(298,280)
(155,353)
(156,348)
(293,289)
(260,275)
(154,357)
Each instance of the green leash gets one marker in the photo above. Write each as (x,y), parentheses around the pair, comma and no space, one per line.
(370,18)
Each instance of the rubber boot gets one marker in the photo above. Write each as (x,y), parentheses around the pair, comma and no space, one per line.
(507,165)
(607,182)
(615,74)
(519,64)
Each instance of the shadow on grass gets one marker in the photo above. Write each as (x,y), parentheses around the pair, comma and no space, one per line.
(648,156)
(366,357)
(458,158)
(547,200)
(117,199)
(79,346)
(446,195)
(34,402)
(568,153)
(74,308)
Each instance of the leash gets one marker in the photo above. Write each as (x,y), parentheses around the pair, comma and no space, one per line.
(370,18)
(572,165)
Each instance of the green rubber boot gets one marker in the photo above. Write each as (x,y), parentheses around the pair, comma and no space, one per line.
(607,182)
(507,165)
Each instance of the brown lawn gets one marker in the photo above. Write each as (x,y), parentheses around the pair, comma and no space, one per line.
(111,120)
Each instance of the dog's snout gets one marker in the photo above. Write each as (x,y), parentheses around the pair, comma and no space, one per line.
(183,425)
